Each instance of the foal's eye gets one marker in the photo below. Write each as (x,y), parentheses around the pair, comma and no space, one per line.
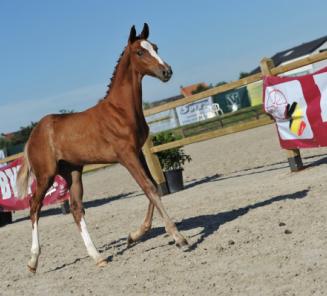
(139,52)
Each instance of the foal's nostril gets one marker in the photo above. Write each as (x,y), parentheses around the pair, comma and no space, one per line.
(167,73)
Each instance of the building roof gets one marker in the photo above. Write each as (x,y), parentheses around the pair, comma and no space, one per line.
(295,52)
(188,90)
(185,91)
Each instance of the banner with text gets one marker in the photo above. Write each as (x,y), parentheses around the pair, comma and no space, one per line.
(9,200)
(299,106)
(194,112)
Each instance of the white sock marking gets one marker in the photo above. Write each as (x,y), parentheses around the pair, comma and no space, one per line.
(35,240)
(92,251)
(147,45)
(35,249)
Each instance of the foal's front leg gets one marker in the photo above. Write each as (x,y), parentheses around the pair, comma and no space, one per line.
(132,162)
(147,223)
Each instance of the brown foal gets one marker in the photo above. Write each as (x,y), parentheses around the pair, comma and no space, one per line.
(112,131)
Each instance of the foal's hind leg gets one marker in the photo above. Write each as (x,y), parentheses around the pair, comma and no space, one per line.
(132,162)
(74,180)
(43,184)
(147,223)
(144,228)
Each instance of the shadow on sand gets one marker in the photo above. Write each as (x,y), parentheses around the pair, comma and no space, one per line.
(208,223)
(211,223)
(195,182)
(87,204)
(322,160)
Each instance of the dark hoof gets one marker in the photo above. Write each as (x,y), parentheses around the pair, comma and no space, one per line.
(130,242)
(31,269)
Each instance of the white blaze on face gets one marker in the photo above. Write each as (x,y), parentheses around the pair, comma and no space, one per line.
(147,45)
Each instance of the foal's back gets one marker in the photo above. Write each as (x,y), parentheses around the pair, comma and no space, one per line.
(77,138)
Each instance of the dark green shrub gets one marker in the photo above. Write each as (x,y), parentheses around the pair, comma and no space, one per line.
(171,159)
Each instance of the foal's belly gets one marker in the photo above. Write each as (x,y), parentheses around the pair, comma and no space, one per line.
(87,153)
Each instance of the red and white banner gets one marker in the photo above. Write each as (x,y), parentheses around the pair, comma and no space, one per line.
(299,106)
(9,200)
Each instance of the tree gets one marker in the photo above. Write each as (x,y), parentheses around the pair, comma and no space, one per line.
(146,105)
(221,83)
(65,111)
(201,88)
(23,134)
(244,74)
(3,143)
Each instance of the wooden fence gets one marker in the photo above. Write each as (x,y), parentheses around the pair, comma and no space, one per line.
(267,68)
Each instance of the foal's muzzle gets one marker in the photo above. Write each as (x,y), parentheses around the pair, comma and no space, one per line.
(164,73)
(167,73)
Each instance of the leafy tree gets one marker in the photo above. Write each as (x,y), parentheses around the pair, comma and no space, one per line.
(3,143)
(201,88)
(244,74)
(146,105)
(221,83)
(65,111)
(23,134)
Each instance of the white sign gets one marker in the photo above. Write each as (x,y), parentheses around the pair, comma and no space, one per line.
(194,112)
(277,98)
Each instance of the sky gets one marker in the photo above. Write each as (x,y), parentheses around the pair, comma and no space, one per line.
(61,54)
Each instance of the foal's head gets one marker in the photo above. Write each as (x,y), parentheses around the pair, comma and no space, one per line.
(144,56)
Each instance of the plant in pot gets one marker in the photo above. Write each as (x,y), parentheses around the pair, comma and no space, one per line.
(171,161)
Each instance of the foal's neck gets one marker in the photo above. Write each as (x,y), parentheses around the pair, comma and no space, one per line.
(126,87)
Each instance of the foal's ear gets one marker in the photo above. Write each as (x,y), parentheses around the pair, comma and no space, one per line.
(145,32)
(132,35)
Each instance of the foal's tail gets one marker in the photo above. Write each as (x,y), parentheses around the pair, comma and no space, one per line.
(24,175)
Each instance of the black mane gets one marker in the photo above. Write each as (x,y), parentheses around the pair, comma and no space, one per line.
(114,72)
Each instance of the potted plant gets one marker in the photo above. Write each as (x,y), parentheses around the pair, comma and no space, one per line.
(171,161)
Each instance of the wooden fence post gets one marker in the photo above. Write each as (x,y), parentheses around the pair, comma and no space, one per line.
(293,155)
(155,167)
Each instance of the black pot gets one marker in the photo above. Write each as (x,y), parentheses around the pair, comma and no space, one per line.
(174,180)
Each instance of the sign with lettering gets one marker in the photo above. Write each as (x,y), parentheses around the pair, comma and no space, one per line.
(194,112)
(8,191)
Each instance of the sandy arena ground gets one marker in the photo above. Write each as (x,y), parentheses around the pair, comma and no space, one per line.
(254,229)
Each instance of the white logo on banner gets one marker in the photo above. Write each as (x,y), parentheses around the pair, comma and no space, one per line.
(189,113)
(321,82)
(277,98)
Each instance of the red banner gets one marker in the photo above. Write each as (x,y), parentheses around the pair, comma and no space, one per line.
(299,106)
(9,200)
